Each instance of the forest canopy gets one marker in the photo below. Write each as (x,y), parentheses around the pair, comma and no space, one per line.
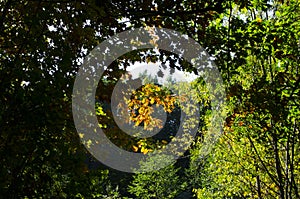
(255,46)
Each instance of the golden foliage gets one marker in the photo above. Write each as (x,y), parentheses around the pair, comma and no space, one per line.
(140,106)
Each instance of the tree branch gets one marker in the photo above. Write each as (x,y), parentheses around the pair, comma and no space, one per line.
(262,162)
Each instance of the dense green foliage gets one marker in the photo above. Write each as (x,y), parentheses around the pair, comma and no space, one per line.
(255,45)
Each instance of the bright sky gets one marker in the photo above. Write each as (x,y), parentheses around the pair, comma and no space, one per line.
(153,68)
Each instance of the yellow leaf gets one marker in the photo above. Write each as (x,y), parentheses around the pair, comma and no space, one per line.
(152,100)
(164,142)
(144,150)
(141,110)
(146,123)
(135,149)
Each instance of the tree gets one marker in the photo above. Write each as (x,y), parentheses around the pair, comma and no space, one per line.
(256,157)
(255,45)
(40,46)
